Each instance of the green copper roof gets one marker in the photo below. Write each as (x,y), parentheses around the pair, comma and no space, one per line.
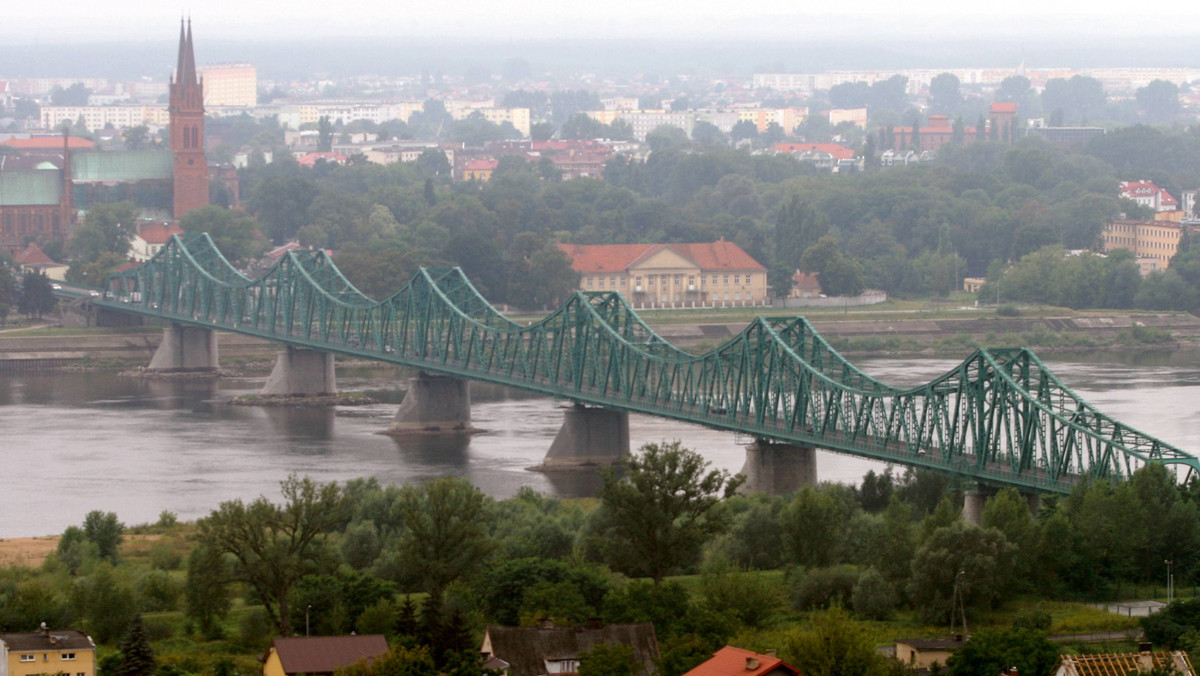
(30,188)
(137,165)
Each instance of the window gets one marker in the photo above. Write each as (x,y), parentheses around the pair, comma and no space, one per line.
(737,279)
(27,658)
(747,279)
(678,280)
(726,280)
(691,280)
(737,295)
(714,280)
(650,279)
(623,280)
(601,281)
(612,282)
(68,656)
(639,281)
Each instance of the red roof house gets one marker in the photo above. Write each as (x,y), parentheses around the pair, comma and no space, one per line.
(48,143)
(320,655)
(731,661)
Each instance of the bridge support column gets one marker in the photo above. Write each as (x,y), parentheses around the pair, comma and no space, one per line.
(974,500)
(778,469)
(434,405)
(301,373)
(589,437)
(1035,503)
(186,348)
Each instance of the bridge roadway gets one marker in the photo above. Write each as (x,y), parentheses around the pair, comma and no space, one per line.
(1000,418)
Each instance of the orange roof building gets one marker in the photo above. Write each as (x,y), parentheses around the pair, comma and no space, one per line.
(702,274)
(731,661)
(54,142)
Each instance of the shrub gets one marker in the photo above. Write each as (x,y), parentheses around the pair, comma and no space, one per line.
(748,597)
(823,587)
(873,597)
(1008,310)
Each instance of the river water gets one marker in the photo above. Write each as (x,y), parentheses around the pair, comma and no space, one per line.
(74,442)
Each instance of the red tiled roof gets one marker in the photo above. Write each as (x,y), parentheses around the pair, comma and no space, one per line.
(1004,107)
(731,661)
(32,256)
(720,255)
(481,165)
(48,142)
(838,151)
(806,280)
(1138,188)
(158,233)
(1165,197)
(325,654)
(310,159)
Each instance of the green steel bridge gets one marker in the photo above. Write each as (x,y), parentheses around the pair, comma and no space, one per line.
(1000,417)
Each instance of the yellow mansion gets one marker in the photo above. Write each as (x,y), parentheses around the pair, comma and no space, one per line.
(706,274)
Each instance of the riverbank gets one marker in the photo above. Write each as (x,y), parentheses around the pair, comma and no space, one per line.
(909,333)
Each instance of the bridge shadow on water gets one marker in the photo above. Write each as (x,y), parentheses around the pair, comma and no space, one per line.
(301,423)
(435,450)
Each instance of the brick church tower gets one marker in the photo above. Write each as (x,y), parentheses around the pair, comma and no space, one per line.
(187,130)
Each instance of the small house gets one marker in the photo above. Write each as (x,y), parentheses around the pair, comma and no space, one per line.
(320,655)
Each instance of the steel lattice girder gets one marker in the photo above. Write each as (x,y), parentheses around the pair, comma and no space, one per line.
(1000,417)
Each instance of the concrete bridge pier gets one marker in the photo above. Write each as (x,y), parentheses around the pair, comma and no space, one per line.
(301,373)
(434,405)
(589,437)
(186,348)
(778,469)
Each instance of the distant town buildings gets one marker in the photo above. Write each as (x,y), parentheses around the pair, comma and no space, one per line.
(1154,243)
(1114,79)
(1148,195)
(233,84)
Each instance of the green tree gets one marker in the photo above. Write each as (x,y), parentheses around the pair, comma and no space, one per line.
(607,659)
(399,661)
(945,96)
(994,651)
(273,546)
(206,595)
(1159,100)
(977,562)
(235,234)
(75,95)
(37,296)
(107,228)
(446,531)
(105,600)
(104,530)
(136,137)
(666,508)
(137,657)
(833,644)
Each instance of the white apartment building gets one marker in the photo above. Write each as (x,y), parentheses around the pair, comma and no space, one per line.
(98,117)
(231,84)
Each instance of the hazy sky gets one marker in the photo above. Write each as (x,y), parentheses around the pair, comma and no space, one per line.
(888,20)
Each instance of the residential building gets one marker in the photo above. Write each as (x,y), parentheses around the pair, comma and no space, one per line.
(805,285)
(1148,195)
(320,655)
(855,116)
(929,138)
(230,84)
(547,650)
(731,661)
(47,651)
(99,117)
(32,258)
(150,238)
(1154,243)
(1187,204)
(1107,664)
(1002,122)
(479,169)
(830,157)
(705,274)
(922,653)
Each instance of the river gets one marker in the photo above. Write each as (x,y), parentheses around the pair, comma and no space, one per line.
(74,442)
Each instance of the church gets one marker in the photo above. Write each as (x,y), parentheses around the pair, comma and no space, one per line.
(48,183)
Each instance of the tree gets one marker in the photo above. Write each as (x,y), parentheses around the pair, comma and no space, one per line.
(399,661)
(743,130)
(274,546)
(324,134)
(994,651)
(37,296)
(975,561)
(1159,100)
(75,95)
(665,508)
(105,531)
(206,597)
(833,644)
(137,657)
(235,234)
(108,228)
(944,94)
(445,537)
(136,137)
(607,659)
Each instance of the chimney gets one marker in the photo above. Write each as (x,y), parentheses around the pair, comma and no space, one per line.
(1145,657)
(45,629)
(751,663)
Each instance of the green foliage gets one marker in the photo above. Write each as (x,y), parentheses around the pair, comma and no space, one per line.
(206,596)
(106,601)
(820,588)
(996,651)
(445,537)
(274,546)
(982,556)
(873,597)
(1175,626)
(235,234)
(832,644)
(607,659)
(747,597)
(666,508)
(37,296)
(399,661)
(137,657)
(104,531)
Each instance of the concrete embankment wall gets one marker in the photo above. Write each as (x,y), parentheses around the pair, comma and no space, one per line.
(19,352)
(1178,324)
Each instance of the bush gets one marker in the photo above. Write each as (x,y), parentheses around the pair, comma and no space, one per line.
(748,597)
(1008,310)
(873,598)
(158,592)
(255,630)
(823,587)
(165,557)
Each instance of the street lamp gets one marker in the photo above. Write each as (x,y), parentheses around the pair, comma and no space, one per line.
(1170,582)
(306,609)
